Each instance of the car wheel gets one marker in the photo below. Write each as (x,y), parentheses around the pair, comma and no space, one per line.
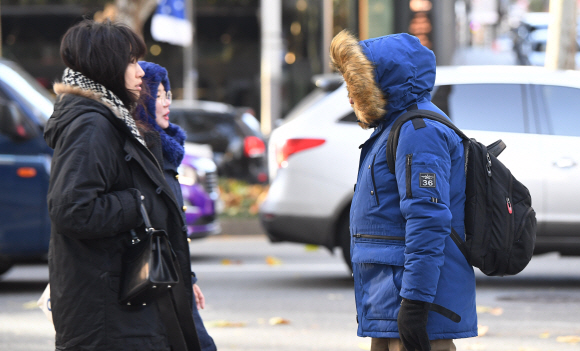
(344,239)
(5,264)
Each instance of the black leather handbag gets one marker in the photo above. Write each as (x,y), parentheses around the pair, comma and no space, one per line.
(149,268)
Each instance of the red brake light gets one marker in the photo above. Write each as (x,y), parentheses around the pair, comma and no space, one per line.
(254,146)
(292,146)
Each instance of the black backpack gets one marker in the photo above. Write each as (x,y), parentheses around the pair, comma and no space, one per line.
(500,223)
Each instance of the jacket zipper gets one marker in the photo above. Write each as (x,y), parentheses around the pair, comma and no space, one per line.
(373,178)
(408,175)
(370,236)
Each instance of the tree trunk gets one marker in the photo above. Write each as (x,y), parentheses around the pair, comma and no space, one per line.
(134,13)
(561,48)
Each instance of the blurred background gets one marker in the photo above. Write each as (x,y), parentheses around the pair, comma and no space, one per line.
(271,155)
(261,56)
(229,37)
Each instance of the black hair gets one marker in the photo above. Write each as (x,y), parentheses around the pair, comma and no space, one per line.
(102,51)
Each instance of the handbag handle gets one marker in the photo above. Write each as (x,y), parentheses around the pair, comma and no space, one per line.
(149,227)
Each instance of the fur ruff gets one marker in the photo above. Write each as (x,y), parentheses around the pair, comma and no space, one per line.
(173,137)
(76,83)
(348,58)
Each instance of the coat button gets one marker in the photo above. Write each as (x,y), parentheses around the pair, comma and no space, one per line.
(369,166)
(159,190)
(177,176)
(188,240)
(184,208)
(128,158)
(372,192)
(184,228)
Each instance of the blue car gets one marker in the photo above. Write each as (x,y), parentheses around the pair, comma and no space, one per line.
(24,167)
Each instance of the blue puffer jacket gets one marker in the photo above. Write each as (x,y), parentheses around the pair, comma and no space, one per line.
(400,226)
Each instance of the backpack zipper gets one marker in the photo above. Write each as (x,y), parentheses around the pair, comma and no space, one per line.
(510,236)
(370,236)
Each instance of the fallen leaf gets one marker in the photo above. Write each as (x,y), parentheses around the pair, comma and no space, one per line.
(30,305)
(227,262)
(544,335)
(476,347)
(278,320)
(310,247)
(570,339)
(364,346)
(224,324)
(482,330)
(273,261)
(496,311)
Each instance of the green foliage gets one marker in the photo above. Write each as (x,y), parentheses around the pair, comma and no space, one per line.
(240,198)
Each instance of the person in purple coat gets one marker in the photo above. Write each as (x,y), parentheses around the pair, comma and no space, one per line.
(170,138)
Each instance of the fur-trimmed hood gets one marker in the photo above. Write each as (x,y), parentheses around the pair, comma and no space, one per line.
(384,75)
(68,106)
(172,137)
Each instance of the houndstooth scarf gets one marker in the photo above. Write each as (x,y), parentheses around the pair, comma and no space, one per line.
(74,78)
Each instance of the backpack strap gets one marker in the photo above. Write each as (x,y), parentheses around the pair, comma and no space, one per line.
(413,114)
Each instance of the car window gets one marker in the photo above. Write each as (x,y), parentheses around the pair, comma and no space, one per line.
(31,93)
(491,107)
(201,127)
(561,108)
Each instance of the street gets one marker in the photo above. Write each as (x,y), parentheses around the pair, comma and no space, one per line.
(263,296)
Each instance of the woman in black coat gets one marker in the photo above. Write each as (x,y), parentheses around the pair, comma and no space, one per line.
(102,170)
(170,138)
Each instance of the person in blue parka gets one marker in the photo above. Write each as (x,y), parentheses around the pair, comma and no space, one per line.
(413,286)
(169,138)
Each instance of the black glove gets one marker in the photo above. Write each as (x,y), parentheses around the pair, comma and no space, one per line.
(412,323)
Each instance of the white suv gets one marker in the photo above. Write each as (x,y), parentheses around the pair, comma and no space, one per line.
(314,155)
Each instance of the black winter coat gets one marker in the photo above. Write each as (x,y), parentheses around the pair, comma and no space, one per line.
(99,172)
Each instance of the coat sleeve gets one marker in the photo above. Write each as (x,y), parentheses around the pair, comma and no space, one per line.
(85,168)
(423,166)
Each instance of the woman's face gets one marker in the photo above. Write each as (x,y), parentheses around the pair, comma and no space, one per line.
(162,107)
(133,75)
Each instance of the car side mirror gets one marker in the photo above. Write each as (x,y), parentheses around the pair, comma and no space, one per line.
(14,123)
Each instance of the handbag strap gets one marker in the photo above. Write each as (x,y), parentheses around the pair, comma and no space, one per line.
(176,313)
(145,215)
(185,316)
(171,322)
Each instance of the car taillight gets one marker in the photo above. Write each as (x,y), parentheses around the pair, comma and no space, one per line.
(254,146)
(292,146)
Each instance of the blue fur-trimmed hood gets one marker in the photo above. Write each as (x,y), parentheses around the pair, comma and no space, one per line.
(173,137)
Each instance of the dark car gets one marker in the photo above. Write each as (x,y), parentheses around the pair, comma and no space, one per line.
(233,134)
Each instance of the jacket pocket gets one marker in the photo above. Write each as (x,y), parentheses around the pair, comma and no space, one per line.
(378,271)
(408,174)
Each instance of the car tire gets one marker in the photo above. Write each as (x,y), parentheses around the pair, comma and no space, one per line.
(344,239)
(5,264)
